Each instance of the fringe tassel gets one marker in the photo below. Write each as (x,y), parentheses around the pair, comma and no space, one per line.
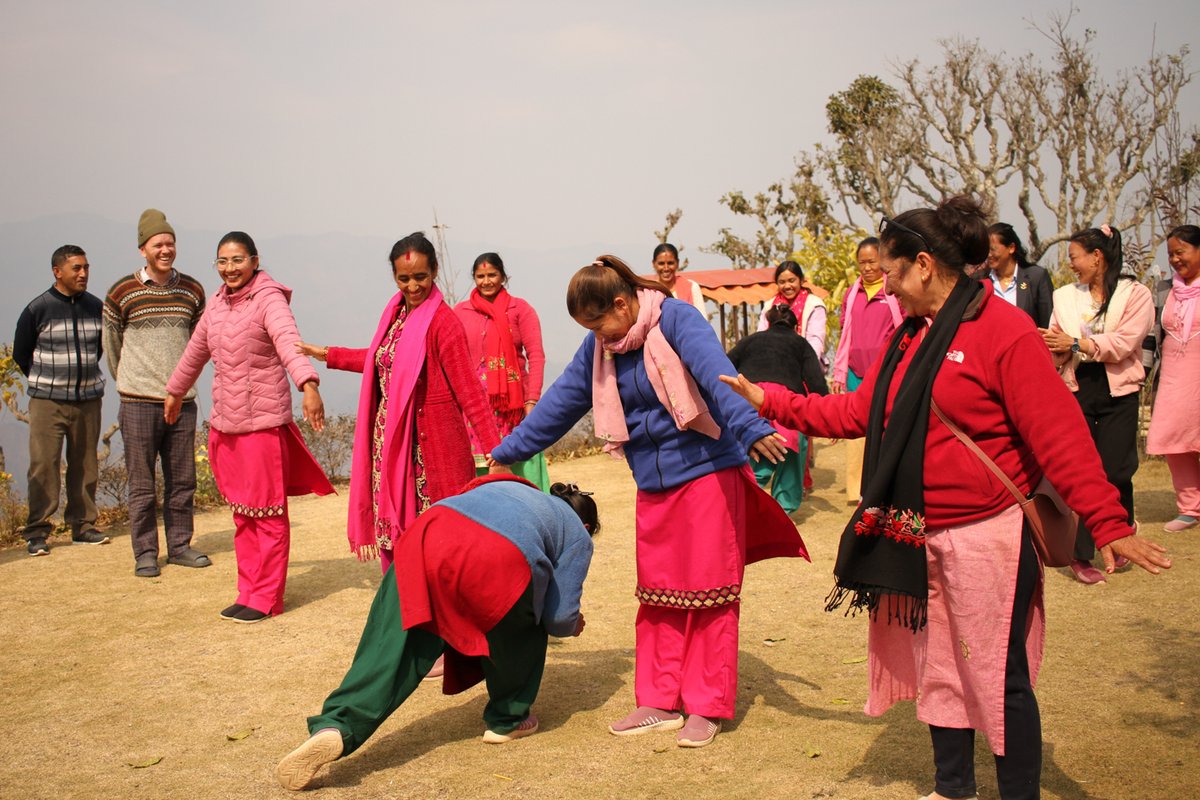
(367,552)
(911,612)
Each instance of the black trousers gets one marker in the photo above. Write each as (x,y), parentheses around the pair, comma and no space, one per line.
(1113,422)
(1019,770)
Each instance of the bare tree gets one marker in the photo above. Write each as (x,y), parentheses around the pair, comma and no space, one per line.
(875,143)
(784,208)
(1088,141)
(447,278)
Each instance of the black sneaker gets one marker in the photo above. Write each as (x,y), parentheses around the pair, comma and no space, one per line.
(38,547)
(90,536)
(249,615)
(232,611)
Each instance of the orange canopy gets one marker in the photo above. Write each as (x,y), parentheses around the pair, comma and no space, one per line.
(733,286)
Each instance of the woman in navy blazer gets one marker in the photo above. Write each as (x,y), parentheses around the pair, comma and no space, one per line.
(1025,285)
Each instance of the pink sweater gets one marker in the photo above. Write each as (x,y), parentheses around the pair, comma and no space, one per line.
(527,336)
(250,337)
(1119,348)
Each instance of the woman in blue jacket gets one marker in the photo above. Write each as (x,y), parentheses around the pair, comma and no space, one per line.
(650,371)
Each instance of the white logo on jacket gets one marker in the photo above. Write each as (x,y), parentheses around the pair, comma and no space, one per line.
(955,355)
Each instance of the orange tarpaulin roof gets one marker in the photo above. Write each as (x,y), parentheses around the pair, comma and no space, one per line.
(734,286)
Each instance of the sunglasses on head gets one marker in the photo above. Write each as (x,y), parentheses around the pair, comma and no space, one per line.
(888,222)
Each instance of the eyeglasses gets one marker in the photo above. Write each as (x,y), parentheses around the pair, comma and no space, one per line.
(236,261)
(888,222)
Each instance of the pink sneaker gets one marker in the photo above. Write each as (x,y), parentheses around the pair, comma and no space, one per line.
(1181,523)
(437,671)
(645,719)
(698,732)
(528,727)
(1086,573)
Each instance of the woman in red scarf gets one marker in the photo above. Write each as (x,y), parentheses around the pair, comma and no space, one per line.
(504,338)
(805,299)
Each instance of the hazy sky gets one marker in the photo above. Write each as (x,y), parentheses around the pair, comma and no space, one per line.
(549,131)
(527,125)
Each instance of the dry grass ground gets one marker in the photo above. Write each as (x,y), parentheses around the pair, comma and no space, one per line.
(100,670)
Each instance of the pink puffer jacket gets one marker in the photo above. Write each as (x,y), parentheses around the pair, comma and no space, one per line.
(250,337)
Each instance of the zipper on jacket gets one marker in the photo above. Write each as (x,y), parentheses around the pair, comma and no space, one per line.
(657,464)
(78,349)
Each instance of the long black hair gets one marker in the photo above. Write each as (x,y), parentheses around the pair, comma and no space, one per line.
(1108,241)
(1008,237)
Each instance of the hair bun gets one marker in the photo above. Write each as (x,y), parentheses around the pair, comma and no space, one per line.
(964,218)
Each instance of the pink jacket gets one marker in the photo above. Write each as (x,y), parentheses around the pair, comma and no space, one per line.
(527,336)
(1119,348)
(250,337)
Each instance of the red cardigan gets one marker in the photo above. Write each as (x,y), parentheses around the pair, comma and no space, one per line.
(999,385)
(447,389)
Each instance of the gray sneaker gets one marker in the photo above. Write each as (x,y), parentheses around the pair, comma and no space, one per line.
(38,547)
(90,536)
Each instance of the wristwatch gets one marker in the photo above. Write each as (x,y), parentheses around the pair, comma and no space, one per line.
(1074,345)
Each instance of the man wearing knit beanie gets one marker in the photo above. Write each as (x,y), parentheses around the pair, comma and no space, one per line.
(149,315)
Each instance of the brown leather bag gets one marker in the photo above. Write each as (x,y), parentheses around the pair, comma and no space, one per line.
(1053,524)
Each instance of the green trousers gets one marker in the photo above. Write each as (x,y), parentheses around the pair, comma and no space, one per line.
(786,478)
(391,662)
(534,470)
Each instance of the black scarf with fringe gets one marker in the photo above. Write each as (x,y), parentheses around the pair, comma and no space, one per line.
(881,557)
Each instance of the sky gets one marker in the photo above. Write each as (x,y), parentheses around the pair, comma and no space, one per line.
(547,131)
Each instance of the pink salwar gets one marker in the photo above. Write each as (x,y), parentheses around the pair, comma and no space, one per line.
(954,667)
(1185,476)
(256,472)
(688,659)
(693,544)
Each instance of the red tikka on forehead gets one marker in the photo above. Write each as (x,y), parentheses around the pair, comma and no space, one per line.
(409,256)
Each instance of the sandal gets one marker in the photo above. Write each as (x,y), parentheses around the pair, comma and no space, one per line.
(645,719)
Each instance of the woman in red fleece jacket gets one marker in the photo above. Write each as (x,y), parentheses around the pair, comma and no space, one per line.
(944,550)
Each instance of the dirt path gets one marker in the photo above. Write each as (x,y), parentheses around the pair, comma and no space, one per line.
(100,670)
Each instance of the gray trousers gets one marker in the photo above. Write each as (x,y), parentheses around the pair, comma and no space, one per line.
(51,422)
(147,437)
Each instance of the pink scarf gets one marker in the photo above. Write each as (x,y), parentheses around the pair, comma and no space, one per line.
(673,385)
(398,494)
(841,359)
(1185,298)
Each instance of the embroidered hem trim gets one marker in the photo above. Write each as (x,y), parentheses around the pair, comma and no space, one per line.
(257,512)
(679,598)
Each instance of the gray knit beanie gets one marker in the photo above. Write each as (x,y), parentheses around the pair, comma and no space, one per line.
(152,223)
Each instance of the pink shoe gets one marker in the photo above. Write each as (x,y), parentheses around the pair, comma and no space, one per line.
(1181,523)
(1086,573)
(437,671)
(698,732)
(645,719)
(528,727)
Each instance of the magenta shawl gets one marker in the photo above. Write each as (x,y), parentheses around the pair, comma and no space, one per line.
(398,493)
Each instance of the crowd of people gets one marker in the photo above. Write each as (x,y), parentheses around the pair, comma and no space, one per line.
(948,333)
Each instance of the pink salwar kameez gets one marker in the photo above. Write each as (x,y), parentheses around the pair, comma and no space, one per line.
(256,472)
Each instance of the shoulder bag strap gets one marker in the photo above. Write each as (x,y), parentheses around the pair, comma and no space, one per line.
(974,448)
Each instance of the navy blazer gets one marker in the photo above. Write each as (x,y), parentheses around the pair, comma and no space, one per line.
(1035,293)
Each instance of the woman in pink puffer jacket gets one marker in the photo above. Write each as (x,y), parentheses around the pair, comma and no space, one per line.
(257,455)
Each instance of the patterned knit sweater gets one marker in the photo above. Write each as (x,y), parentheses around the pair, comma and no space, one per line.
(146,329)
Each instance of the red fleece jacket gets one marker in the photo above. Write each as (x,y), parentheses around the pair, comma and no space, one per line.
(999,385)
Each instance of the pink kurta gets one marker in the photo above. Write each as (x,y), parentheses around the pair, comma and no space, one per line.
(1175,425)
(954,666)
